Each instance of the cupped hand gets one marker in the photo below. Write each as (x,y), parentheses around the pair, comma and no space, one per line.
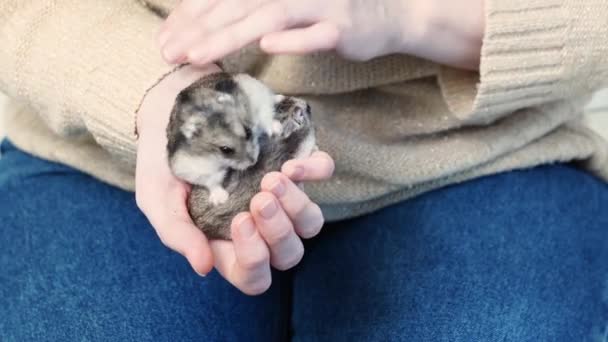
(268,235)
(159,194)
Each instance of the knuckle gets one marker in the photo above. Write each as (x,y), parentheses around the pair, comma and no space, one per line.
(239,11)
(334,35)
(254,263)
(234,37)
(283,14)
(277,235)
(300,209)
(239,218)
(272,177)
(205,26)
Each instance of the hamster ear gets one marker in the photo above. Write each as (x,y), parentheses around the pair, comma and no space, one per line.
(191,126)
(184,96)
(225,85)
(289,126)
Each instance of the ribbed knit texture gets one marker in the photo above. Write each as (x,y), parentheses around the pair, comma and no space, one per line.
(84,66)
(397,126)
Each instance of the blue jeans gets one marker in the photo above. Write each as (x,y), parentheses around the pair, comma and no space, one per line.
(519,256)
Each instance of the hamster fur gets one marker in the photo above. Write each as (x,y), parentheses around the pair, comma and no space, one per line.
(296,139)
(215,125)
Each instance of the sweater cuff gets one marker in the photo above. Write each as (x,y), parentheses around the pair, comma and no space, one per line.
(523,61)
(118,81)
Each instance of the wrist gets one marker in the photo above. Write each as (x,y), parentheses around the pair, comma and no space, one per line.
(444,32)
(156,105)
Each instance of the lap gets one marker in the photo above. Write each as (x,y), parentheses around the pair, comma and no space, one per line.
(78,261)
(520,256)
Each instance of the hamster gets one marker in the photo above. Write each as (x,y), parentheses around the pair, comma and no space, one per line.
(296,139)
(215,125)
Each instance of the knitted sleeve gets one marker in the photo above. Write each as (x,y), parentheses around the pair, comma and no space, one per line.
(534,51)
(83,65)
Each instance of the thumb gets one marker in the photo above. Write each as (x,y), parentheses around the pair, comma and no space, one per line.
(186,239)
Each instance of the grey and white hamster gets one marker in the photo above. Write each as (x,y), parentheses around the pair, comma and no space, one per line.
(203,122)
(215,125)
(295,140)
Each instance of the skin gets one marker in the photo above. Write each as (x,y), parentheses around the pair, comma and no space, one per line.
(442,31)
(202,31)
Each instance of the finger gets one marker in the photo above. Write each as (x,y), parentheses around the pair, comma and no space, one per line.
(319,37)
(286,249)
(319,166)
(270,17)
(228,12)
(222,42)
(305,215)
(182,16)
(244,262)
(196,32)
(184,238)
(170,220)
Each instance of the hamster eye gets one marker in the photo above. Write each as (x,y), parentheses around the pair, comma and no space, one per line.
(247,133)
(227,151)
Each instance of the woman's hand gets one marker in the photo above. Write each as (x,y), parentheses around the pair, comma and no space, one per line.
(201,31)
(268,235)
(159,194)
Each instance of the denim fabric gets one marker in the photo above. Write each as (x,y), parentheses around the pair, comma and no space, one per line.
(520,256)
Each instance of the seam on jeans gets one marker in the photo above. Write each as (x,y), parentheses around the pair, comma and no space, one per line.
(288,306)
(604,334)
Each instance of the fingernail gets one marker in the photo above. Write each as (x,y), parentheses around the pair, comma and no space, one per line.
(200,274)
(268,209)
(246,228)
(277,188)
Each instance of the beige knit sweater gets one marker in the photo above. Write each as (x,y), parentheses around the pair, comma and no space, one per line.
(396,126)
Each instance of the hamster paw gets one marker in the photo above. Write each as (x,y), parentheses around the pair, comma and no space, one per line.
(218,196)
